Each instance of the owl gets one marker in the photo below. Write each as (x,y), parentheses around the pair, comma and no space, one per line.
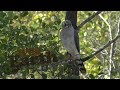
(68,40)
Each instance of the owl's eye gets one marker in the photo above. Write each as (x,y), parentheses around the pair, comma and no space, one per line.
(66,25)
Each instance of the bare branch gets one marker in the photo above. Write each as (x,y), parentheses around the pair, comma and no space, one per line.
(118,32)
(111,54)
(99,50)
(88,19)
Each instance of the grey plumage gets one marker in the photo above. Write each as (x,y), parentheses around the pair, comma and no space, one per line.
(68,39)
(70,42)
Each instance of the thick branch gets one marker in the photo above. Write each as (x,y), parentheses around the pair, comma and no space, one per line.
(88,19)
(102,48)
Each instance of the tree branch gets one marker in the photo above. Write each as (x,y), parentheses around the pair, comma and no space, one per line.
(102,48)
(88,19)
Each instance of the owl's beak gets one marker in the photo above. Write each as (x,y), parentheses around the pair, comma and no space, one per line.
(67,26)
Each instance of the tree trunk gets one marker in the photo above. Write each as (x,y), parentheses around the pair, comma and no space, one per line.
(72,16)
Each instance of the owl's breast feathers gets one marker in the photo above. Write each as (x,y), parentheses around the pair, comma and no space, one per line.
(68,41)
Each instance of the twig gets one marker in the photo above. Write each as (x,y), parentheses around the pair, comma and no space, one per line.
(88,19)
(59,62)
(111,53)
(118,32)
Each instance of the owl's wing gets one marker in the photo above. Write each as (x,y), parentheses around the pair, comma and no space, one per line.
(76,39)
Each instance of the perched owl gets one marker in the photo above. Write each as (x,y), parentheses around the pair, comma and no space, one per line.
(68,39)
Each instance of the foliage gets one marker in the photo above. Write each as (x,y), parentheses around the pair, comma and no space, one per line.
(40,29)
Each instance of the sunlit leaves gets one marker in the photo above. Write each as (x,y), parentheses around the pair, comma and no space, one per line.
(30,29)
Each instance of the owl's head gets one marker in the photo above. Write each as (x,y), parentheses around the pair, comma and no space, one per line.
(66,24)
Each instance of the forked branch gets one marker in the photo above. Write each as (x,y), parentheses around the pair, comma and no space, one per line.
(102,48)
